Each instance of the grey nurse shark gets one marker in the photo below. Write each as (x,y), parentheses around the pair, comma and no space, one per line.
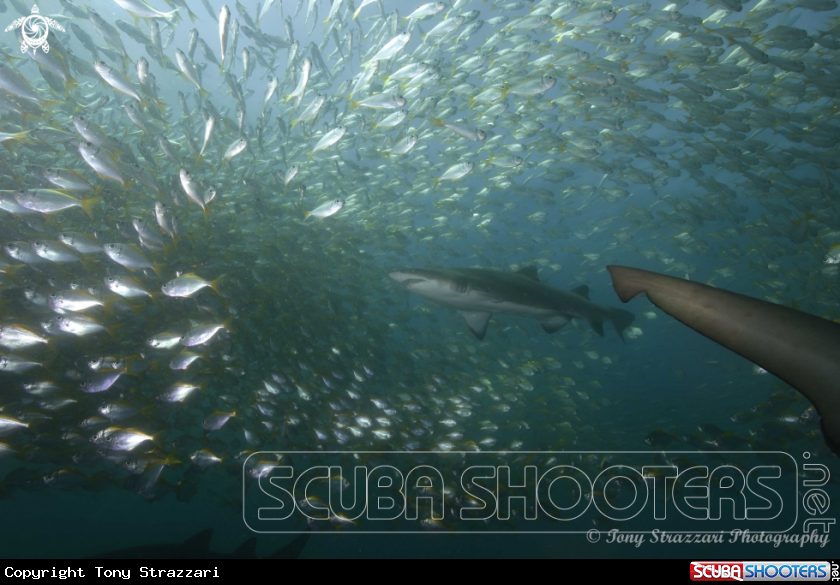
(478,294)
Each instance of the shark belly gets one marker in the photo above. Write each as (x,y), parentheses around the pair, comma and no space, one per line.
(487,303)
(477,308)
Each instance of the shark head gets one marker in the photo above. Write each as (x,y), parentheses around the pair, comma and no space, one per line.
(417,280)
(446,287)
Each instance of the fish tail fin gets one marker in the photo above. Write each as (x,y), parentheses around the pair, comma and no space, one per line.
(205,212)
(171,459)
(24,137)
(311,154)
(203,93)
(621,320)
(215,283)
(136,309)
(228,323)
(155,367)
(51,103)
(69,84)
(174,17)
(27,118)
(89,264)
(87,205)
(436,121)
(354,105)
(156,269)
(113,329)
(306,215)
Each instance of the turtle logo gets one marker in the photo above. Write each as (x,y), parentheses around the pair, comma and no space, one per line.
(35,29)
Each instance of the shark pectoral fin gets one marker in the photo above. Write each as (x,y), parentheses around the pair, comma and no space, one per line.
(529,272)
(582,291)
(477,322)
(554,323)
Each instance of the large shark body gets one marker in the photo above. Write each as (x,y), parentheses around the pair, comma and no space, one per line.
(801,349)
(478,294)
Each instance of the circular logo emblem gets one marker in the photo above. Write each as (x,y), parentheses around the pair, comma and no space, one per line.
(35,30)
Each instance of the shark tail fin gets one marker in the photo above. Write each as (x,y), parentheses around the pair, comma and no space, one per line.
(597,325)
(621,320)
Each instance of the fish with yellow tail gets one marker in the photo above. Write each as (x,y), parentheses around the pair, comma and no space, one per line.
(326,210)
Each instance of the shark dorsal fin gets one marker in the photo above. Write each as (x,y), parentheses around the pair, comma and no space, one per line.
(200,543)
(292,550)
(477,322)
(247,550)
(582,291)
(529,272)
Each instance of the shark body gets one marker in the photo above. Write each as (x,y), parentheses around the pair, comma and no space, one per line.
(478,294)
(801,349)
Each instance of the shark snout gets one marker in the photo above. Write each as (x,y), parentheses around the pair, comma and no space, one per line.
(404,276)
